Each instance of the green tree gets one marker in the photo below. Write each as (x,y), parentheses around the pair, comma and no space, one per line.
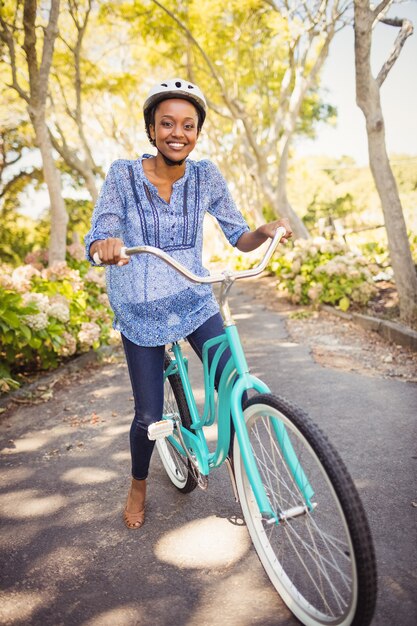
(259,64)
(16,142)
(30,55)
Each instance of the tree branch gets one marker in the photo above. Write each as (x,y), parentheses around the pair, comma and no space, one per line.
(81,27)
(380,7)
(7,37)
(29,46)
(50,35)
(187,31)
(406,29)
(233,104)
(22,175)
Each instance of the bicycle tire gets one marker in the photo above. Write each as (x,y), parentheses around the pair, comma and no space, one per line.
(322,563)
(177,467)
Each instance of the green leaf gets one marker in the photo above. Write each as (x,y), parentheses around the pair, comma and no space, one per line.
(344,304)
(35,343)
(12,319)
(25,330)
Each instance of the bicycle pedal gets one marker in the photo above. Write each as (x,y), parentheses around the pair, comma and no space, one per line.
(161,429)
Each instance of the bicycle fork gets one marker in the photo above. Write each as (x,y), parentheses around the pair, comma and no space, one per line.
(244,383)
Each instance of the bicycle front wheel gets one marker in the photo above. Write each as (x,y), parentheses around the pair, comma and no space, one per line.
(320,558)
(177,467)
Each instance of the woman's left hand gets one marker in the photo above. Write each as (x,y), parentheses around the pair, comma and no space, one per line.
(270,229)
(250,240)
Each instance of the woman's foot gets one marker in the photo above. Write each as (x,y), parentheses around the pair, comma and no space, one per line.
(134,513)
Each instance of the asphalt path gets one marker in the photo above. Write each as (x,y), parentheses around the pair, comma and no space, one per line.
(67,559)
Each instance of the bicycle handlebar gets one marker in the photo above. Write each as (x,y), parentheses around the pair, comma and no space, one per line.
(212,278)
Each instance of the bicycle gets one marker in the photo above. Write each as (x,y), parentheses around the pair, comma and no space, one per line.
(300,505)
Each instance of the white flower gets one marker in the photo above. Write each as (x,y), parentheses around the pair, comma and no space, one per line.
(22,276)
(89,334)
(77,251)
(114,337)
(6,280)
(103,299)
(38,321)
(59,271)
(315,291)
(40,300)
(94,276)
(59,310)
(69,346)
(296,266)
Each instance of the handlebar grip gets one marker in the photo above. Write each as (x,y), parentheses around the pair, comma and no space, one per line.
(123,255)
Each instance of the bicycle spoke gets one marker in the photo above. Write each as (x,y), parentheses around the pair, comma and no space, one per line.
(315,556)
(269,464)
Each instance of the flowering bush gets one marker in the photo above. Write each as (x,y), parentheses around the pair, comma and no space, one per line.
(49,314)
(321,271)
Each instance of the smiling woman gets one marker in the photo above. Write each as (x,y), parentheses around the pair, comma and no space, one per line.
(174,133)
(160,201)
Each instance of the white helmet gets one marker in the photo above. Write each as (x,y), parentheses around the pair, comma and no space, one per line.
(174,88)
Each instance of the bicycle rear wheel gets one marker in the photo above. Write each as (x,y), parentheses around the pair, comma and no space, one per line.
(176,465)
(320,561)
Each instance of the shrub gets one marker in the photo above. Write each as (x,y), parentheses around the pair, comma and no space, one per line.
(50,314)
(321,271)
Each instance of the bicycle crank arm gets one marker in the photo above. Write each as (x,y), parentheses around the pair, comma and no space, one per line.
(201,479)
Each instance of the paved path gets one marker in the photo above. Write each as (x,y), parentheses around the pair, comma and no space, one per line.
(67,559)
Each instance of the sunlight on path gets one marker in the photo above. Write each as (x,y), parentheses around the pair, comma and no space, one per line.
(88,475)
(20,605)
(203,543)
(29,503)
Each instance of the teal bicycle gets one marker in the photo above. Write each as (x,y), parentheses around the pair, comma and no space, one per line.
(299,503)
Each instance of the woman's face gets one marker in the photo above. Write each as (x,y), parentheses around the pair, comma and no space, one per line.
(175,131)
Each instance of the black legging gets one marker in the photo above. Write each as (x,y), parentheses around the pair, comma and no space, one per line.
(146,370)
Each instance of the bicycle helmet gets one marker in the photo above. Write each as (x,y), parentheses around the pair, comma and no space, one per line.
(173,88)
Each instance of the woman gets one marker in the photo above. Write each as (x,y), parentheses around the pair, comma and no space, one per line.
(161,201)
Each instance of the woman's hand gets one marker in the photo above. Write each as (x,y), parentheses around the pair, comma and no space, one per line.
(109,251)
(270,229)
(252,240)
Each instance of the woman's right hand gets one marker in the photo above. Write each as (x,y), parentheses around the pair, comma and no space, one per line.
(109,251)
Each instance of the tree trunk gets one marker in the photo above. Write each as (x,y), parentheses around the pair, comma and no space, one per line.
(284,206)
(368,99)
(36,99)
(398,244)
(59,216)
(85,167)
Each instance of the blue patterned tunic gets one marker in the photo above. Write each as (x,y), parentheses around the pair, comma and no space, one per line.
(154,305)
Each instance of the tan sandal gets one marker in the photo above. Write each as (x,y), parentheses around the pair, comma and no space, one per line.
(135,520)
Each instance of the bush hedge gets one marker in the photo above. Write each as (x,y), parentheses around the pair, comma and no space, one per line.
(50,314)
(320,271)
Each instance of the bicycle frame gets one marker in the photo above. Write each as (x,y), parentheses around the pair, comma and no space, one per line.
(235,380)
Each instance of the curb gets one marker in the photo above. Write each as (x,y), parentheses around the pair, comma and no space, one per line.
(391,331)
